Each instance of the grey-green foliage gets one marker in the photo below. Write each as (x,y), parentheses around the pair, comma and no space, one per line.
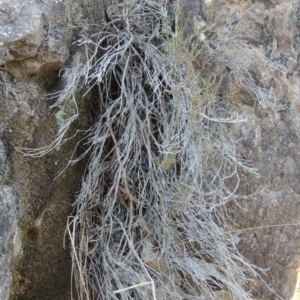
(150,219)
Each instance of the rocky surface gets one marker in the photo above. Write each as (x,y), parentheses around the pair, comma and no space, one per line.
(269,140)
(267,224)
(27,45)
(35,43)
(10,211)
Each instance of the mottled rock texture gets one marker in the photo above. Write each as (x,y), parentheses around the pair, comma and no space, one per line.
(35,43)
(269,140)
(9,213)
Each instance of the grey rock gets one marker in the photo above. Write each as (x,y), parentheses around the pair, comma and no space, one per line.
(3,161)
(29,45)
(270,141)
(21,30)
(9,214)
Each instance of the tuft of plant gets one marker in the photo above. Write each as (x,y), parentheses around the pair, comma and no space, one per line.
(150,220)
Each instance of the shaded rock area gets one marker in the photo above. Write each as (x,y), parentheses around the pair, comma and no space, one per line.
(35,43)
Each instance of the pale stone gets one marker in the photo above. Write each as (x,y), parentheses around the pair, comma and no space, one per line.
(9,214)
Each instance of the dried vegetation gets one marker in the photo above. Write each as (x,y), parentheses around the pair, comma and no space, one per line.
(150,220)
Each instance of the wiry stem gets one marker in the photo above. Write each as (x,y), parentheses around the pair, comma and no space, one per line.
(163,164)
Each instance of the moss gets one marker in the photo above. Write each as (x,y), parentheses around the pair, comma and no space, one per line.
(60,116)
(42,271)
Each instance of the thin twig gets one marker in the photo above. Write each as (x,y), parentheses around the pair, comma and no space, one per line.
(132,287)
(266,226)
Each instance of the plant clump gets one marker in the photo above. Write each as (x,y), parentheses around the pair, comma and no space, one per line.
(150,220)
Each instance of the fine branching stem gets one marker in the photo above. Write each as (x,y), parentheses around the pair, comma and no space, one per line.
(150,221)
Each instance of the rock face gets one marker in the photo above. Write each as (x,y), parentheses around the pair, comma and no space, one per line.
(27,47)
(35,39)
(270,141)
(10,204)
(35,43)
(267,224)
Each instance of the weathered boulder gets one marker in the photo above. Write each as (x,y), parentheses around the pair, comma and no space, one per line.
(28,43)
(22,30)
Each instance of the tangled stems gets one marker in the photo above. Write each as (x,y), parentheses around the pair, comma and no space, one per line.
(150,221)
